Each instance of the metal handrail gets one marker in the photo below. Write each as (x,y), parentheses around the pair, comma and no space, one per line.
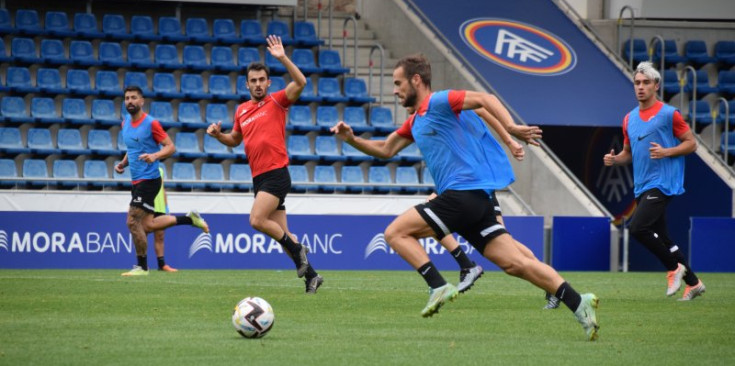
(661,67)
(344,42)
(370,71)
(632,27)
(319,22)
(726,132)
(694,94)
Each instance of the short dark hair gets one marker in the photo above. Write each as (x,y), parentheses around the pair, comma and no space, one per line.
(258,66)
(416,64)
(133,88)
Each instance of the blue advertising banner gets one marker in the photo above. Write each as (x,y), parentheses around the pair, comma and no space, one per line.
(711,244)
(337,242)
(535,58)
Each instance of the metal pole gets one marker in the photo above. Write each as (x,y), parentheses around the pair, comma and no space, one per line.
(305,10)
(726,133)
(630,40)
(694,94)
(382,74)
(344,42)
(661,67)
(330,24)
(319,24)
(626,243)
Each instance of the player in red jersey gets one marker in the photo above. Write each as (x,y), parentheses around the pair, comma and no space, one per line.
(261,124)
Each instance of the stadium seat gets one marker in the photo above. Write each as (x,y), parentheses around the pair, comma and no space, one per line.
(326,116)
(703,114)
(222,59)
(326,177)
(696,52)
(426,177)
(13,110)
(121,143)
(722,114)
(353,155)
(280,28)
(356,90)
(78,82)
(49,81)
(136,78)
(113,26)
(725,52)
(252,32)
(35,168)
(18,80)
(141,27)
(193,86)
(352,179)
(410,154)
(671,53)
(85,25)
(57,24)
(241,175)
(299,148)
(670,82)
(187,145)
(195,58)
(139,55)
(190,115)
(640,51)
(703,86)
(304,34)
(299,118)
(214,174)
(379,177)
(81,53)
(169,28)
(277,83)
(325,148)
(304,59)
(217,112)
(198,30)
(275,66)
(11,141)
(100,142)
(5,26)
(65,171)
(52,52)
(27,22)
(43,110)
(730,151)
(215,149)
(8,169)
(69,142)
(164,113)
(108,84)
(299,178)
(308,95)
(726,82)
(166,56)
(24,50)
(221,88)
(103,112)
(184,176)
(224,31)
(329,89)
(246,56)
(331,63)
(3,54)
(39,141)
(74,111)
(96,173)
(382,118)
(164,86)
(241,86)
(355,117)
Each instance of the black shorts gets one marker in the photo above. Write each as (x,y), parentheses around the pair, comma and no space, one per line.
(144,194)
(276,182)
(468,213)
(496,204)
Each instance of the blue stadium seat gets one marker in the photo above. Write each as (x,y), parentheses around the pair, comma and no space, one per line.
(299,148)
(11,141)
(299,176)
(185,177)
(24,50)
(242,89)
(725,52)
(100,142)
(121,143)
(193,86)
(671,82)
(299,118)
(95,171)
(280,29)
(703,86)
(696,52)
(216,174)
(355,117)
(52,52)
(330,61)
(164,113)
(113,25)
(136,78)
(190,115)
(27,22)
(18,79)
(222,59)
(326,148)
(221,88)
(39,141)
(426,177)
(308,95)
(169,28)
(195,58)
(5,26)
(198,30)
(215,149)
(382,118)
(329,89)
(49,81)
(187,145)
(35,168)
(410,154)
(13,110)
(141,27)
(730,153)
(166,56)
(139,55)
(64,170)
(640,51)
(353,155)
(43,110)
(304,59)
(164,86)
(241,175)
(703,114)
(103,112)
(85,25)
(8,169)
(671,53)
(82,53)
(3,54)
(304,34)
(277,83)
(78,82)
(379,177)
(326,116)
(726,82)
(224,31)
(721,115)
(74,111)
(352,175)
(70,142)
(252,32)
(122,180)
(108,84)
(275,66)
(356,90)
(216,112)
(246,56)
(326,177)
(57,24)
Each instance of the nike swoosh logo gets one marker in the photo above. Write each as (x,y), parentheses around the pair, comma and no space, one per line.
(135,139)
(430,133)
(425,271)
(640,138)
(243,112)
(651,197)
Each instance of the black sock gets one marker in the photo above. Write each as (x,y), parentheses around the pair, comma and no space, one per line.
(310,273)
(183,220)
(431,275)
(161,262)
(462,259)
(143,262)
(291,248)
(690,278)
(548,295)
(568,296)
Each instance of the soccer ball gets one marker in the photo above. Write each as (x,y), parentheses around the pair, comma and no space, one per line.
(253,317)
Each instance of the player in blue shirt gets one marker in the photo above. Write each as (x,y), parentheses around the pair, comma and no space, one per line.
(460,162)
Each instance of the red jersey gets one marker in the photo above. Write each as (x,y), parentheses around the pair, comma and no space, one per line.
(263,128)
(680,126)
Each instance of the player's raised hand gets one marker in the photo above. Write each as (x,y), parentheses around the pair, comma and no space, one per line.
(343,131)
(528,134)
(275,47)
(215,129)
(609,159)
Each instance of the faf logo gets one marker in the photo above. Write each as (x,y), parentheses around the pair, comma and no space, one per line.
(518,46)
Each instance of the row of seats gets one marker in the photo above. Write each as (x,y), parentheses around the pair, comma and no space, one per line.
(164,56)
(695,52)
(96,173)
(725,82)
(142,28)
(701,112)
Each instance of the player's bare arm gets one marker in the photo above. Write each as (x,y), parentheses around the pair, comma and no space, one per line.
(120,167)
(515,148)
(167,149)
(491,103)
(298,80)
(384,149)
(623,158)
(231,139)
(687,146)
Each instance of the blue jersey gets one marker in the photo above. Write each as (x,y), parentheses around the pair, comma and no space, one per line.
(457,146)
(140,140)
(666,174)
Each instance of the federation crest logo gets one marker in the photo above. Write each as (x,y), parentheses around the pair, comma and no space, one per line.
(518,46)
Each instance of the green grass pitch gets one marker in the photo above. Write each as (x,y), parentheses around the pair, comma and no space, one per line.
(96,317)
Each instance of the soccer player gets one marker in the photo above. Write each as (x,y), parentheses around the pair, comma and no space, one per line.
(655,140)
(461,160)
(143,135)
(261,124)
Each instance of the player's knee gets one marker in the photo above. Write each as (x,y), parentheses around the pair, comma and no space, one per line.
(392,233)
(257,222)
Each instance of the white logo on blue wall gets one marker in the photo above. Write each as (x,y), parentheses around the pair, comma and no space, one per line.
(203,241)
(4,240)
(377,243)
(59,242)
(430,245)
(259,243)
